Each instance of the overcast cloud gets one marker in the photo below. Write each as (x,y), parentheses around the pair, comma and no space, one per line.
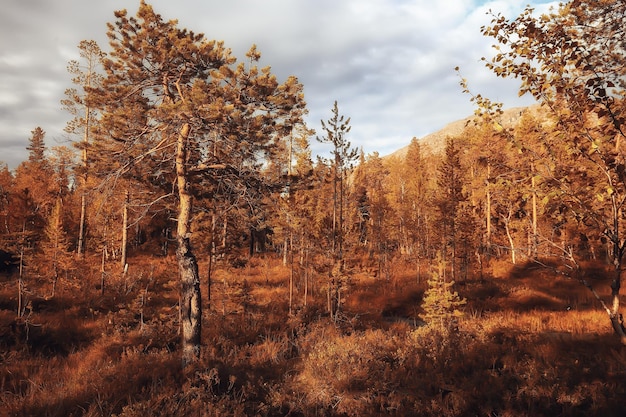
(388,63)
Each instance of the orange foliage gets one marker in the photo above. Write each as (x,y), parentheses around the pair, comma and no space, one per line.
(531,343)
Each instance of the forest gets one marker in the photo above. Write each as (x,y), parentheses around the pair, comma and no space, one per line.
(188,254)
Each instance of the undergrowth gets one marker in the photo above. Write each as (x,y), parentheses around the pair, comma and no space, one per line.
(529,344)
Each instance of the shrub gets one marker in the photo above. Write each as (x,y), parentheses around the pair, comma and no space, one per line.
(349,374)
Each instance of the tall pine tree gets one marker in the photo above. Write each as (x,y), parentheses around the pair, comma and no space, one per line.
(176,109)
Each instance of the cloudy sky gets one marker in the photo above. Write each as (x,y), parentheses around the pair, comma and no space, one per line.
(388,63)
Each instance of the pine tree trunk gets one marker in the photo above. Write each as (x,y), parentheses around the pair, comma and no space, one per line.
(190,304)
(488,211)
(224,234)
(291,287)
(285,250)
(20,280)
(212,251)
(83,198)
(306,275)
(125,229)
(102,270)
(535,234)
(20,284)
(81,228)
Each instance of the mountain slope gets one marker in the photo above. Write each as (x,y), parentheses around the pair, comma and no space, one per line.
(436,141)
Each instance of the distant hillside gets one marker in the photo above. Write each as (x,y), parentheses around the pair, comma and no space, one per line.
(436,141)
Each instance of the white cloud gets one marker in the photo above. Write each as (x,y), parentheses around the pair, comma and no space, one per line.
(389,63)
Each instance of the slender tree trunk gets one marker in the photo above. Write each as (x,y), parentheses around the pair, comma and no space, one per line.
(224,234)
(535,235)
(453,271)
(102,270)
(306,274)
(288,236)
(488,210)
(125,229)
(190,300)
(81,228)
(211,259)
(20,280)
(285,251)
(291,286)
(83,198)
(334,247)
(419,268)
(419,244)
(56,244)
(209,279)
(616,318)
(507,228)
(341,189)
(20,284)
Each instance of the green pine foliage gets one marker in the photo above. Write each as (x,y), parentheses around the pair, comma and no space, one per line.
(441,303)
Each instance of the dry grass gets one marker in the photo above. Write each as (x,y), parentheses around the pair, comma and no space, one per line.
(531,344)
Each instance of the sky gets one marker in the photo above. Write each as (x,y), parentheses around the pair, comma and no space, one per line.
(388,63)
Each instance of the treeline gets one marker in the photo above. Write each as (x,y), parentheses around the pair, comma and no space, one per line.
(181,148)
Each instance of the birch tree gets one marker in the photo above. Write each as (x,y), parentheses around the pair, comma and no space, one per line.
(572,60)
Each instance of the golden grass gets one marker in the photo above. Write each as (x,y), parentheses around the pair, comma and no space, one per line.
(530,344)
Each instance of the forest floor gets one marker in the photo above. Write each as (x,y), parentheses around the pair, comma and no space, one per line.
(531,343)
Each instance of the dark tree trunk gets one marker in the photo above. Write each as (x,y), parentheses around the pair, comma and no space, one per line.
(617,320)
(191,307)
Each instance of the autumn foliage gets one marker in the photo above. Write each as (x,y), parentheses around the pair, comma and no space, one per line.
(478,275)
